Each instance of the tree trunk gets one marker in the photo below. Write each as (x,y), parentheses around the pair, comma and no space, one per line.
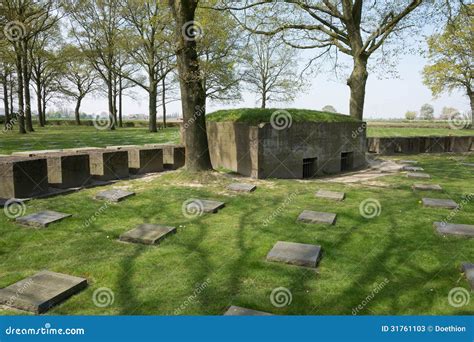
(12,110)
(152,127)
(39,102)
(120,101)
(77,112)
(163,100)
(21,105)
(357,82)
(26,80)
(110,101)
(264,101)
(43,88)
(193,96)
(470,93)
(5,99)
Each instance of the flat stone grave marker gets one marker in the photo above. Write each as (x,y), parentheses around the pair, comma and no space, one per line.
(114,195)
(315,217)
(468,164)
(41,291)
(207,206)
(418,175)
(439,203)
(241,187)
(332,195)
(293,253)
(468,269)
(454,229)
(239,311)
(427,187)
(42,219)
(148,234)
(413,162)
(413,168)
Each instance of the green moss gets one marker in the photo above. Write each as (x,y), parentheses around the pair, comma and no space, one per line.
(257,115)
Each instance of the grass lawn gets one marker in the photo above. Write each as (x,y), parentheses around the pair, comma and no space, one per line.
(219,259)
(378,131)
(57,137)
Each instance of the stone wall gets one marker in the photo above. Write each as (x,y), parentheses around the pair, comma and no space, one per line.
(264,152)
(414,145)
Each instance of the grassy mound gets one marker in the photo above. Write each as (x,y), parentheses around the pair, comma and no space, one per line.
(257,115)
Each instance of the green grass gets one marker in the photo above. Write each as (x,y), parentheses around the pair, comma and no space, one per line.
(377,131)
(223,254)
(255,116)
(57,137)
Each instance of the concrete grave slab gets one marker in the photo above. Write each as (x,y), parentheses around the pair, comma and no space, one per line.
(108,164)
(468,269)
(148,234)
(173,155)
(427,187)
(23,177)
(145,160)
(293,253)
(241,187)
(413,168)
(207,206)
(418,175)
(42,219)
(412,162)
(444,228)
(114,195)
(468,164)
(439,203)
(239,311)
(41,291)
(315,217)
(68,170)
(331,195)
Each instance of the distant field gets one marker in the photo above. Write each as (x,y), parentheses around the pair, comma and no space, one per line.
(56,137)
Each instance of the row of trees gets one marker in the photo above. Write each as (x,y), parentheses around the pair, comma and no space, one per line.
(427,112)
(146,43)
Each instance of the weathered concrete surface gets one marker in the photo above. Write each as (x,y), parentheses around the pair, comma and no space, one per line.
(34,153)
(42,219)
(173,155)
(82,149)
(206,206)
(23,177)
(427,187)
(413,168)
(114,195)
(239,311)
(444,228)
(415,145)
(418,175)
(439,203)
(468,269)
(315,217)
(242,187)
(68,170)
(108,164)
(299,254)
(263,152)
(148,234)
(331,195)
(41,292)
(122,147)
(145,160)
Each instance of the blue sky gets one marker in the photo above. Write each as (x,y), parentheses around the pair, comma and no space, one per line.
(385,98)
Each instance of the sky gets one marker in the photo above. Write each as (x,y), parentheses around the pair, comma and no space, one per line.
(385,98)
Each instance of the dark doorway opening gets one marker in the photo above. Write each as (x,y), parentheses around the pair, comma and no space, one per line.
(310,167)
(347,161)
